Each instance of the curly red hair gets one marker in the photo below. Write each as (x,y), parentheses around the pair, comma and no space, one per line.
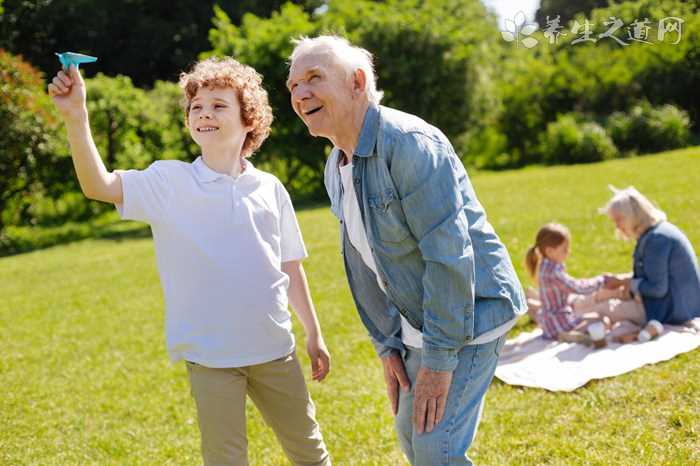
(252,97)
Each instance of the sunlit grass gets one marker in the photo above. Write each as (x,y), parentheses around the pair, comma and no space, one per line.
(86,380)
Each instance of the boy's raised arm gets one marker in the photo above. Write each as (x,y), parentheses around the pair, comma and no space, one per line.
(300,299)
(68,93)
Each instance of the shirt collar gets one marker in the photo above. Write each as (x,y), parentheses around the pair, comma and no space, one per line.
(207,175)
(368,134)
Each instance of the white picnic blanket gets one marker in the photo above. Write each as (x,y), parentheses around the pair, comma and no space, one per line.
(532,361)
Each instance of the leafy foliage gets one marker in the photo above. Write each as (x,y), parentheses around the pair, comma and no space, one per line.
(570,140)
(597,79)
(428,64)
(566,9)
(650,129)
(34,157)
(146,39)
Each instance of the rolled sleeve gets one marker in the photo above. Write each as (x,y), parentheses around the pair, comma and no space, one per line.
(427,175)
(439,359)
(383,351)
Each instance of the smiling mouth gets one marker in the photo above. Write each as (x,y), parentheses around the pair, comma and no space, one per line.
(207,129)
(313,110)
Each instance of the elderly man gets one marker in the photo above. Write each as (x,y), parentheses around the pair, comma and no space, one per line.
(431,280)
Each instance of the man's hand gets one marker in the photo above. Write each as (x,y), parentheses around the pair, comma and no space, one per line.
(320,357)
(430,398)
(68,92)
(395,377)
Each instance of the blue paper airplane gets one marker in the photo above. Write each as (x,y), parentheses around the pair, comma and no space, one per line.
(71,58)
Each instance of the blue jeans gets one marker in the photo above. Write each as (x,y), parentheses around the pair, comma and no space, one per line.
(449,441)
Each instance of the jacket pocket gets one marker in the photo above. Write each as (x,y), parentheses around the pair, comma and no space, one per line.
(388,217)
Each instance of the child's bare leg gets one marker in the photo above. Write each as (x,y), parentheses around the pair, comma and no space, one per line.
(532,293)
(533,307)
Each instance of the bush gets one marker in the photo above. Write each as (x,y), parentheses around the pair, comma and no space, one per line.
(646,129)
(118,119)
(34,158)
(164,133)
(571,140)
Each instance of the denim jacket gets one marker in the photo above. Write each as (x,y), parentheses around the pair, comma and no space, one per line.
(442,265)
(666,275)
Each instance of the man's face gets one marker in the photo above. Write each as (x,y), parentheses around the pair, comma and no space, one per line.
(321,94)
(215,118)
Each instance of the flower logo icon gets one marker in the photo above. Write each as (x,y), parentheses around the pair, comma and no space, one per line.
(518,27)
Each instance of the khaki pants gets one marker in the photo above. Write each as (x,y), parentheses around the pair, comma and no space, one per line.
(278,390)
(606,303)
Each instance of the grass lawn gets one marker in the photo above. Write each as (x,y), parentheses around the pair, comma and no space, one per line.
(85,378)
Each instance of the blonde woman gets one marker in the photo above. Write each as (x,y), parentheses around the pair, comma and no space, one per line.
(665,283)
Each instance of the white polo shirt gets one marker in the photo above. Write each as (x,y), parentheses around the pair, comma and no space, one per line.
(219,243)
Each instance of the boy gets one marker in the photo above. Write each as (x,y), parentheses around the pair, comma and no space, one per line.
(229,254)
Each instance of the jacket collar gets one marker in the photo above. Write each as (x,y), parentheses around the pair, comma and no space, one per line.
(368,135)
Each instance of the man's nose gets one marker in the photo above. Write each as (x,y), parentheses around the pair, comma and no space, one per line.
(300,92)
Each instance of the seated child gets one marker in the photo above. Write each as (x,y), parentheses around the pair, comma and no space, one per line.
(566,306)
(229,254)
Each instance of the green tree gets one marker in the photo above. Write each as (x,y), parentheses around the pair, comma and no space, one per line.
(264,43)
(145,39)
(164,133)
(428,62)
(117,119)
(598,78)
(34,159)
(566,9)
(434,58)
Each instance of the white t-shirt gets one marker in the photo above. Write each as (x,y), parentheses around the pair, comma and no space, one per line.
(220,243)
(357,235)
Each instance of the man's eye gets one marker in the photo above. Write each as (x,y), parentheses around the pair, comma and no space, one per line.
(314,78)
(219,106)
(196,107)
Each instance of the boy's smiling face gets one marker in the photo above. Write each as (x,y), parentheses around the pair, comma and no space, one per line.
(215,120)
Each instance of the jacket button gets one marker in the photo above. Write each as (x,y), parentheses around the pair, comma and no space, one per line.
(357,181)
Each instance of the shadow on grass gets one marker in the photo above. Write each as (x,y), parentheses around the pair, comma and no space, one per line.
(22,240)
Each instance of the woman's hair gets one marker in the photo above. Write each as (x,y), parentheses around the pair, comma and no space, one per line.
(637,212)
(349,56)
(224,73)
(549,236)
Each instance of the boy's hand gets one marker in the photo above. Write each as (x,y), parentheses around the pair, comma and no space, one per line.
(320,357)
(68,92)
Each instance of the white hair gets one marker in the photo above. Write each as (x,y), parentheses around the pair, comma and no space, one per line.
(350,57)
(637,212)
